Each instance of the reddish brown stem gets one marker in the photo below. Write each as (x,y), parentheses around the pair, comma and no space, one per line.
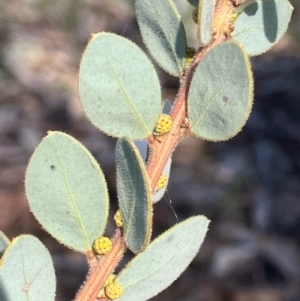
(161,150)
(102,269)
(91,258)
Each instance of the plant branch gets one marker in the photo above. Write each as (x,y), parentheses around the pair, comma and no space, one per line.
(102,269)
(163,149)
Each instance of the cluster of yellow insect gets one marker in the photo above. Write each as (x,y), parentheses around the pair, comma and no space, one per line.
(111,290)
(103,245)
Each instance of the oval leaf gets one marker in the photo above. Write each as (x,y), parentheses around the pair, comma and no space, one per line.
(134,195)
(163,33)
(221,93)
(26,271)
(67,191)
(163,261)
(118,87)
(206,10)
(262,24)
(4,242)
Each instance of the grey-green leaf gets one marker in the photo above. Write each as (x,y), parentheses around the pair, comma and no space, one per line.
(163,33)
(158,195)
(67,191)
(163,261)
(206,10)
(221,93)
(26,271)
(262,24)
(118,87)
(4,242)
(134,195)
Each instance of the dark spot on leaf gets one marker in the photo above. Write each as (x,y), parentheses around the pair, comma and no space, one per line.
(52,167)
(170,238)
(225,98)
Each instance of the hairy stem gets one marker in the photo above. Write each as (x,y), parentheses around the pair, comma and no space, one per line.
(161,150)
(102,269)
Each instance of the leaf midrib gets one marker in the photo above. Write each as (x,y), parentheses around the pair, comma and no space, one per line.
(71,197)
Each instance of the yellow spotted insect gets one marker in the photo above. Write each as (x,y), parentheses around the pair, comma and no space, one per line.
(113,290)
(108,281)
(102,245)
(111,278)
(162,182)
(163,125)
(118,219)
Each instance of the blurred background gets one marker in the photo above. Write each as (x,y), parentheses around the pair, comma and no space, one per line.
(249,186)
